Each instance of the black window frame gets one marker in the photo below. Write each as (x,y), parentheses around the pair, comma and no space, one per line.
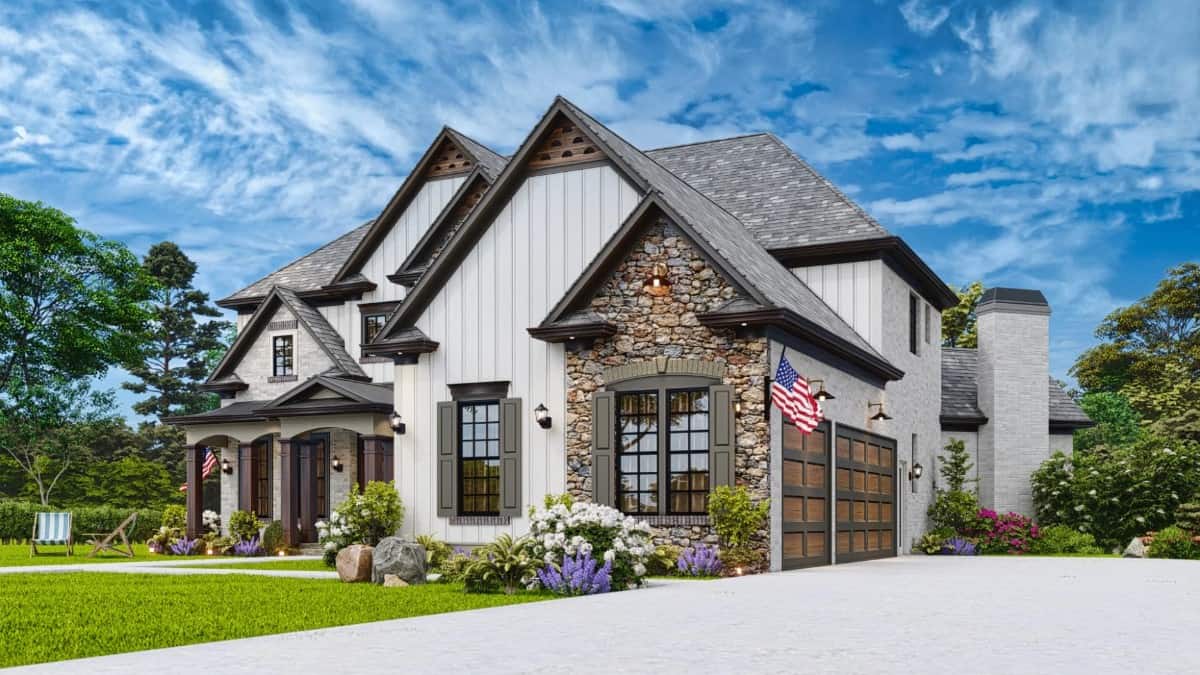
(261,485)
(382,317)
(490,459)
(914,324)
(288,366)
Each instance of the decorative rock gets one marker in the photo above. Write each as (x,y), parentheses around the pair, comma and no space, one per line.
(404,559)
(1135,549)
(354,563)
(393,581)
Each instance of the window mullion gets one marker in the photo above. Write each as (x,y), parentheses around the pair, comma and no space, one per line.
(664,445)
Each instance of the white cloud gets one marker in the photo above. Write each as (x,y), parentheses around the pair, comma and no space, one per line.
(985,176)
(904,141)
(923,18)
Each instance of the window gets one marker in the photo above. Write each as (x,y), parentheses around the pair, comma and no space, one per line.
(928,324)
(682,449)
(284,363)
(372,324)
(914,319)
(479,458)
(260,478)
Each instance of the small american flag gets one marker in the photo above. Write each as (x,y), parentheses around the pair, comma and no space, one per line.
(790,393)
(210,463)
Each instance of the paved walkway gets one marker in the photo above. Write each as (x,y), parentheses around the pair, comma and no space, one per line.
(185,567)
(914,614)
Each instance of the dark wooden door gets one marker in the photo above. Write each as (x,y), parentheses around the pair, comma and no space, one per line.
(806,512)
(866,495)
(313,458)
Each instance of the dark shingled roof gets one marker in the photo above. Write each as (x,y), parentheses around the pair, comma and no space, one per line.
(1019,296)
(309,272)
(234,412)
(777,195)
(325,334)
(960,392)
(491,162)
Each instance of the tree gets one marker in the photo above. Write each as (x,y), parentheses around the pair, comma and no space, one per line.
(174,358)
(958,322)
(1117,423)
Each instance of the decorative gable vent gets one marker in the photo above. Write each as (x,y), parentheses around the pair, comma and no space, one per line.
(470,199)
(448,160)
(563,144)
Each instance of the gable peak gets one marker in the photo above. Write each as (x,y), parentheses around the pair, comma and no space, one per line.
(448,159)
(563,143)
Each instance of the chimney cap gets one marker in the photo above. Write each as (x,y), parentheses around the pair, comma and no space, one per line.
(1015,296)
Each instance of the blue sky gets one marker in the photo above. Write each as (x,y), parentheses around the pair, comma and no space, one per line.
(1051,145)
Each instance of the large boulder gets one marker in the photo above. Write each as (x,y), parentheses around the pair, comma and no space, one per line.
(404,559)
(1135,549)
(354,563)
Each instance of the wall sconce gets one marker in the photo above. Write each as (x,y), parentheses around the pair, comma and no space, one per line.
(396,423)
(737,407)
(542,415)
(915,472)
(879,415)
(658,283)
(337,464)
(226,466)
(821,394)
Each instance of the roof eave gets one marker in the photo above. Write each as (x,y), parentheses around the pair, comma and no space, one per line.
(339,291)
(556,333)
(400,347)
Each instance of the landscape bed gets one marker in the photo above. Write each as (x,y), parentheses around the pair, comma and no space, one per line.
(44,616)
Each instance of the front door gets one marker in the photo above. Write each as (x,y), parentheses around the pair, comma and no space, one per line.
(312,454)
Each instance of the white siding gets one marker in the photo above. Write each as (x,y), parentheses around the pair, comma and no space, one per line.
(854,290)
(539,244)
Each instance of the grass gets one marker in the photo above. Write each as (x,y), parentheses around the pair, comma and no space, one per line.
(272,564)
(43,617)
(17,555)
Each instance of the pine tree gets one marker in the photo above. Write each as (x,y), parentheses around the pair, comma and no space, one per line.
(955,465)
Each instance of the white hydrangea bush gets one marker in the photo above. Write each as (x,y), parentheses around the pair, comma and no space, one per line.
(211,521)
(561,529)
(334,534)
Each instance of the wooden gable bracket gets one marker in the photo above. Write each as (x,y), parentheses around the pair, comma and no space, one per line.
(449,160)
(562,145)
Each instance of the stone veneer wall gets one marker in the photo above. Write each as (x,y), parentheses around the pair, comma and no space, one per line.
(649,327)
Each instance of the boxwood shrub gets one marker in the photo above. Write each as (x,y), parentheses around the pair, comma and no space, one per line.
(16,520)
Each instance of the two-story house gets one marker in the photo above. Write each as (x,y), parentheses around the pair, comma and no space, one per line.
(588,317)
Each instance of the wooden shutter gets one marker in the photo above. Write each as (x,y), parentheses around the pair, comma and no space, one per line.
(447,464)
(721,442)
(604,428)
(510,457)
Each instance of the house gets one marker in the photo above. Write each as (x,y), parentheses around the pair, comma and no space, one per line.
(588,317)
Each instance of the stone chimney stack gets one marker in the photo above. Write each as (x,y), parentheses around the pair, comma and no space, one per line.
(1014,377)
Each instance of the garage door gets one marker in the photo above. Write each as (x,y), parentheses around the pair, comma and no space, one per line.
(866,496)
(806,511)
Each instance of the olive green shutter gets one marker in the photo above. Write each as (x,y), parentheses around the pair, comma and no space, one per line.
(447,467)
(604,428)
(510,457)
(720,435)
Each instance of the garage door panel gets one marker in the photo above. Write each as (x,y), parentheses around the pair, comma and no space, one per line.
(806,517)
(866,522)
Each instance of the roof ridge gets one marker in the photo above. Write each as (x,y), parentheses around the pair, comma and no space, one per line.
(750,134)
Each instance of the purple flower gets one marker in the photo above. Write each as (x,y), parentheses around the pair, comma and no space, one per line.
(701,561)
(184,546)
(248,548)
(958,546)
(580,574)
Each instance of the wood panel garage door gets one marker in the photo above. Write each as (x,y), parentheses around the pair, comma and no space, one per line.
(866,496)
(806,512)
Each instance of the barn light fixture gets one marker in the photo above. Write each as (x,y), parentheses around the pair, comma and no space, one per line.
(879,415)
(397,423)
(915,472)
(226,466)
(337,464)
(821,395)
(542,415)
(658,283)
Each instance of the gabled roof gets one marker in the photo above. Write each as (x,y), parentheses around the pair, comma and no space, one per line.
(960,395)
(307,317)
(352,396)
(481,157)
(439,232)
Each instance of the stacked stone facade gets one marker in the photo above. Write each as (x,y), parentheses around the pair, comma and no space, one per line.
(650,327)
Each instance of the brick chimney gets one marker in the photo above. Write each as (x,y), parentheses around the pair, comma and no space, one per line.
(1014,372)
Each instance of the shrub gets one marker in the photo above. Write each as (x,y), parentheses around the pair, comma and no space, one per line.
(580,574)
(436,550)
(1117,493)
(735,519)
(955,465)
(504,564)
(954,510)
(1008,533)
(1187,517)
(1173,542)
(934,540)
(211,521)
(174,517)
(16,520)
(272,537)
(700,561)
(959,546)
(243,526)
(593,529)
(1059,539)
(363,518)
(663,560)
(454,566)
(248,547)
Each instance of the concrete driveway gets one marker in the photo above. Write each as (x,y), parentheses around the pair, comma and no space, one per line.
(906,615)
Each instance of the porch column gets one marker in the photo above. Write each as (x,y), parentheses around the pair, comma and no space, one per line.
(377,458)
(308,479)
(287,493)
(194,456)
(245,474)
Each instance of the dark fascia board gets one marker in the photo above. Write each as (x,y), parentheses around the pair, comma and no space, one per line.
(320,381)
(892,249)
(223,387)
(479,219)
(479,390)
(407,278)
(803,328)
(962,423)
(395,348)
(558,333)
(333,294)
(331,409)
(1069,426)
(386,307)
(434,231)
(211,419)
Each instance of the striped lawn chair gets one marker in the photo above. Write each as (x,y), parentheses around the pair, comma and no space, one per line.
(51,529)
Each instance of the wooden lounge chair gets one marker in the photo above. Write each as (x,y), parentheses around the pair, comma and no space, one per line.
(51,529)
(108,544)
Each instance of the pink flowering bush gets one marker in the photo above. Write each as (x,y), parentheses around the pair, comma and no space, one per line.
(1008,533)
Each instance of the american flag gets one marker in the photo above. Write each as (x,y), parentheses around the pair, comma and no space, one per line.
(790,393)
(210,463)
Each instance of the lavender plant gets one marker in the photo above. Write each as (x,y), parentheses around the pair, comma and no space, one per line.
(699,561)
(248,548)
(959,546)
(580,574)
(184,546)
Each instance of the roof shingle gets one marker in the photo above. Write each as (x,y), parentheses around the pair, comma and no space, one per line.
(960,391)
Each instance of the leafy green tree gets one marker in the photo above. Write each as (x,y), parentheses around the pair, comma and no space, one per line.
(1117,423)
(131,482)
(174,359)
(958,322)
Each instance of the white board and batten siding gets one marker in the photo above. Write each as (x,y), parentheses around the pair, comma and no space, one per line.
(386,259)
(854,290)
(539,244)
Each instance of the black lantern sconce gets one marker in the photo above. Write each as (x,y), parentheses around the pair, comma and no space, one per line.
(337,464)
(397,424)
(915,472)
(542,415)
(881,415)
(821,395)
(226,466)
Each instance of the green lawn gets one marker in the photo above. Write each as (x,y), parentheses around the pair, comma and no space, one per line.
(18,554)
(48,617)
(272,564)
